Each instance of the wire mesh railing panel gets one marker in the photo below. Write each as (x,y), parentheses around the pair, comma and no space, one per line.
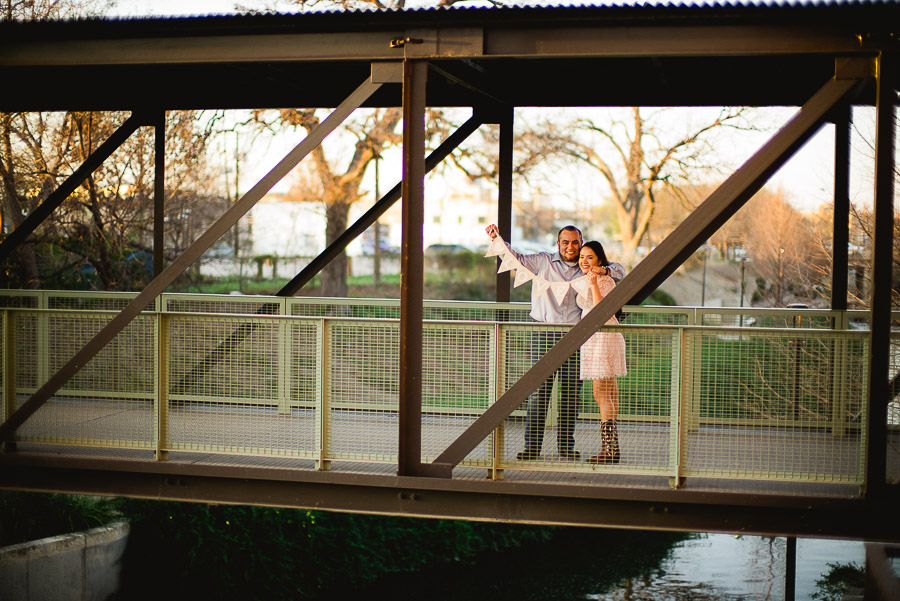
(222,303)
(750,402)
(224,359)
(775,405)
(475,311)
(657,316)
(893,413)
(227,388)
(305,363)
(458,371)
(20,299)
(109,401)
(362,363)
(29,359)
(97,301)
(777,318)
(647,395)
(351,308)
(124,367)
(552,413)
(6,400)
(240,428)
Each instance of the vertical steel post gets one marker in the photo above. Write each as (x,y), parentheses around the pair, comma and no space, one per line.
(840,263)
(504,197)
(882,255)
(790,568)
(159,194)
(412,263)
(841,226)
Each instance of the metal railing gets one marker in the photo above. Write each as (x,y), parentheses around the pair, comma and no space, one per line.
(317,379)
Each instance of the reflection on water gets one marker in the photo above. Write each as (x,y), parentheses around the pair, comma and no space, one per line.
(724,567)
(629,566)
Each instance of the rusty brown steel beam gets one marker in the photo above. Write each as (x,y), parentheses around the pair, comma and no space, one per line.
(617,40)
(556,504)
(673,40)
(882,273)
(185,260)
(58,196)
(663,260)
(412,283)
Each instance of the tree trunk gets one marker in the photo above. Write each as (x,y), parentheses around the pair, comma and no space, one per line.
(12,209)
(334,276)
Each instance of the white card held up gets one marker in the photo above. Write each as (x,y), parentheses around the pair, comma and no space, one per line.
(559,289)
(539,286)
(522,276)
(580,285)
(510,262)
(496,248)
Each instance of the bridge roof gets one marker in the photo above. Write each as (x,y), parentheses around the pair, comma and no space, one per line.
(671,54)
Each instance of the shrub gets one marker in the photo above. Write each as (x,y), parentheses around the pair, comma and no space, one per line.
(236,552)
(31,516)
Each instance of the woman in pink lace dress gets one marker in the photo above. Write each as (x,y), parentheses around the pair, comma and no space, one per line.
(603,355)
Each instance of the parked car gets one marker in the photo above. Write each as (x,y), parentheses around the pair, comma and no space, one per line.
(446,249)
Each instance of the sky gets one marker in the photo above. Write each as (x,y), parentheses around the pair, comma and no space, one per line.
(806,178)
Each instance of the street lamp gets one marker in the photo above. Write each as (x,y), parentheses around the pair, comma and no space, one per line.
(705,249)
(743,261)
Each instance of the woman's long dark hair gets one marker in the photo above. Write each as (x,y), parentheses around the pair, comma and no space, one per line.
(598,250)
(604,261)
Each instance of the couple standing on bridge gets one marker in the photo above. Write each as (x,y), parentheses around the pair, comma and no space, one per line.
(601,358)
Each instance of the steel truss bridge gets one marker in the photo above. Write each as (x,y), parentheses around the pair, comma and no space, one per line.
(410,407)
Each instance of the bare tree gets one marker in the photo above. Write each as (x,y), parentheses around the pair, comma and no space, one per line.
(780,243)
(31,10)
(636,159)
(103,230)
(336,185)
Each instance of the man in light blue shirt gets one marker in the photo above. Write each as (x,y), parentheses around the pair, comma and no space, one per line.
(561,266)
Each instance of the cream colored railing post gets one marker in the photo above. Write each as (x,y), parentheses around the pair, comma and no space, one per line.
(497,375)
(675,438)
(284,359)
(161,436)
(840,381)
(689,405)
(9,363)
(323,417)
(42,340)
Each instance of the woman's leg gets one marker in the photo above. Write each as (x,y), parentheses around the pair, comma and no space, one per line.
(606,394)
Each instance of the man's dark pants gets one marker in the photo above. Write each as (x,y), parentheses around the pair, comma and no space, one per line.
(569,393)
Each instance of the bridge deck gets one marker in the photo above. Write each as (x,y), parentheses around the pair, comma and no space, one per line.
(710,457)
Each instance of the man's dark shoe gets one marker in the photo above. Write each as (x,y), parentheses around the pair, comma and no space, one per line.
(527,455)
(570,455)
